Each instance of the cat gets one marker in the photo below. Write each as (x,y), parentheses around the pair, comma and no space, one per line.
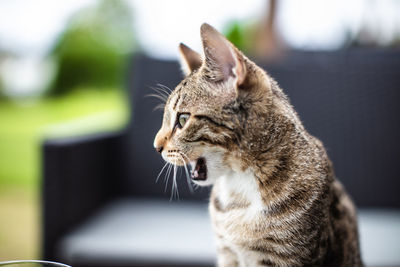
(275,200)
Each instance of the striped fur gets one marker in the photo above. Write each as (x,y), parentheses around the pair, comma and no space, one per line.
(275,200)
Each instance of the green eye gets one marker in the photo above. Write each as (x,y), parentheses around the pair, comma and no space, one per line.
(182,119)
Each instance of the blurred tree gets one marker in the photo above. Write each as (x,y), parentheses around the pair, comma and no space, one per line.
(3,56)
(258,38)
(93,49)
(1,90)
(239,35)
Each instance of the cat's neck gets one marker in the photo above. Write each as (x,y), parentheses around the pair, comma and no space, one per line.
(237,190)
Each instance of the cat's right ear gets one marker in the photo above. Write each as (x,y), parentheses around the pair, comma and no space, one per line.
(222,60)
(190,59)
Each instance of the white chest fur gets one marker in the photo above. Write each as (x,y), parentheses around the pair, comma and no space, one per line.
(242,184)
(232,188)
(235,226)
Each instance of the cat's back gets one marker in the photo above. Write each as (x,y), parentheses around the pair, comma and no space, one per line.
(306,218)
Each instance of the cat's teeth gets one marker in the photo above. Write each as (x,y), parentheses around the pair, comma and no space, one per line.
(192,164)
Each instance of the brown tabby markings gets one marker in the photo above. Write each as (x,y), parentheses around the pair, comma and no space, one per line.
(275,200)
(239,203)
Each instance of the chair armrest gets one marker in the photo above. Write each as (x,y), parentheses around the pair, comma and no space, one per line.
(79,174)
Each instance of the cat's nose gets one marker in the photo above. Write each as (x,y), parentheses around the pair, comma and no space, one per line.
(160,140)
(159,149)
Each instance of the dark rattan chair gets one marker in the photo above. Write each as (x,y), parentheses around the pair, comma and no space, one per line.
(102,207)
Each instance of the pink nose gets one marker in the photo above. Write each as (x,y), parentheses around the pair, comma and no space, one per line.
(159,149)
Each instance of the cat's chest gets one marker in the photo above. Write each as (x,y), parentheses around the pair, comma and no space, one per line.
(236,205)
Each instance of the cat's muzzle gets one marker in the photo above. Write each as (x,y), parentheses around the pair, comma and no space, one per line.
(199,169)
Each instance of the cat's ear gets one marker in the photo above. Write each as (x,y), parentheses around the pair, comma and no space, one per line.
(222,60)
(190,59)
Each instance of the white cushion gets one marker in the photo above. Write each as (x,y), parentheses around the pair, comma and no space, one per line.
(133,230)
(380,237)
(130,230)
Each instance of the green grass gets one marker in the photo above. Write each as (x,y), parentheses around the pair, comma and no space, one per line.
(23,126)
(19,224)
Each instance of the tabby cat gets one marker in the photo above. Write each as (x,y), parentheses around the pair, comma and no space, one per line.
(275,200)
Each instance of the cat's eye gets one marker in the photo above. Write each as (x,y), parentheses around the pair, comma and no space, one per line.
(182,119)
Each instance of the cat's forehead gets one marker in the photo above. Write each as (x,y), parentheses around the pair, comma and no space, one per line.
(188,94)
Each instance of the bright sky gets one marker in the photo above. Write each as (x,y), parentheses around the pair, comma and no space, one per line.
(30,27)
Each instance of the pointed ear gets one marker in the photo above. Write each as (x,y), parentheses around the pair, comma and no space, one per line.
(190,59)
(222,59)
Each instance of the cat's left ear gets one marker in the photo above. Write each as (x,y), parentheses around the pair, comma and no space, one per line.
(222,60)
(190,59)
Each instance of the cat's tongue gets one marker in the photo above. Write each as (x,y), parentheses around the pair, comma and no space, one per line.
(199,170)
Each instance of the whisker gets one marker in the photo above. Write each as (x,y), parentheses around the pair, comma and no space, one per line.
(174,185)
(180,171)
(175,181)
(196,186)
(166,173)
(160,97)
(158,176)
(159,107)
(183,154)
(161,91)
(167,177)
(189,182)
(164,87)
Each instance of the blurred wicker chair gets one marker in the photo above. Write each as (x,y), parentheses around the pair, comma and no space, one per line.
(102,207)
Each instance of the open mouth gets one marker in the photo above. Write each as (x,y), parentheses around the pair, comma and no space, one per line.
(199,169)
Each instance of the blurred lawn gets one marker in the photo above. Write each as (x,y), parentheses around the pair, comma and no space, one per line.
(19,223)
(23,126)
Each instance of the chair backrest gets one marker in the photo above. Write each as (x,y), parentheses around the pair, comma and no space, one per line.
(348,99)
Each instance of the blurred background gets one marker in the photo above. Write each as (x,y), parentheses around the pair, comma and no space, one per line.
(64,68)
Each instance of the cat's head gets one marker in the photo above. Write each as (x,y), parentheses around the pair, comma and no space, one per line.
(204,116)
